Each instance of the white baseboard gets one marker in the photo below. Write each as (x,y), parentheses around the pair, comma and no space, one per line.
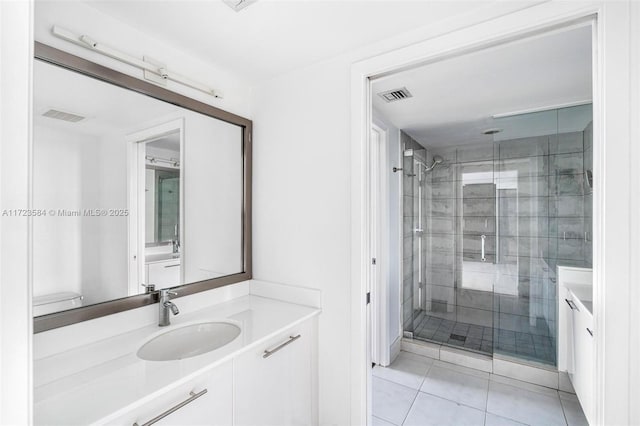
(396,346)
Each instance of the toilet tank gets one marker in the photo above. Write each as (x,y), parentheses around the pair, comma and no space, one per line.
(55,302)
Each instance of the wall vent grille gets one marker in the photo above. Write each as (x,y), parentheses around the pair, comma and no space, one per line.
(395,95)
(65,116)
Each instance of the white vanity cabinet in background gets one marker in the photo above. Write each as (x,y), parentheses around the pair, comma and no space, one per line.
(575,333)
(163,274)
(212,408)
(582,376)
(277,388)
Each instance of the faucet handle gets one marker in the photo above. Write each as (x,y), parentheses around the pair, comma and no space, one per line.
(167,292)
(149,288)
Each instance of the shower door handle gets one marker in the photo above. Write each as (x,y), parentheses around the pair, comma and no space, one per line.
(482,240)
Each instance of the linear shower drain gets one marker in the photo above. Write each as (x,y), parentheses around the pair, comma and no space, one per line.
(458,337)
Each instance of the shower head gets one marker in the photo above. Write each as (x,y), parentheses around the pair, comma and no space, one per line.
(436,160)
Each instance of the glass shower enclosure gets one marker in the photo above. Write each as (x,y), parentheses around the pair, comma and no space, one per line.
(485,229)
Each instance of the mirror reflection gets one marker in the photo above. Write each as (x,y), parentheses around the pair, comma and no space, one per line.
(162,211)
(132,192)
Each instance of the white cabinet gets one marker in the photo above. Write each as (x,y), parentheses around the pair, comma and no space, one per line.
(277,389)
(164,274)
(213,408)
(251,389)
(575,333)
(565,341)
(582,376)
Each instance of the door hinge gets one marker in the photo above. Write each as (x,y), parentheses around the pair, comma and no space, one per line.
(373,260)
(368,298)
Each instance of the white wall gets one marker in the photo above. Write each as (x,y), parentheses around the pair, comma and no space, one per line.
(105,271)
(394,227)
(84,19)
(301,206)
(212,173)
(15,282)
(57,185)
(83,254)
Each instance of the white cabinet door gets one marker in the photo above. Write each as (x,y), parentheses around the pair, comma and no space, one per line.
(213,408)
(565,338)
(584,368)
(277,390)
(164,274)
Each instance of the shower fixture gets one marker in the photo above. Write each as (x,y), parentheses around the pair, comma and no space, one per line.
(436,160)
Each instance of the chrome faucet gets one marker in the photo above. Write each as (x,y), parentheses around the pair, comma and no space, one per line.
(165,305)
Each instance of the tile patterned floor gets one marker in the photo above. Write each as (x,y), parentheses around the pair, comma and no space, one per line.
(420,391)
(536,347)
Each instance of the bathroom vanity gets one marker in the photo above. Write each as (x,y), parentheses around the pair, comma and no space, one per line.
(265,375)
(575,333)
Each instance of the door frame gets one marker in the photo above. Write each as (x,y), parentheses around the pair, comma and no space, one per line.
(379,211)
(611,30)
(136,182)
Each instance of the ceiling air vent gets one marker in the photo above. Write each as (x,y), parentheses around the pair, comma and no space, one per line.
(65,116)
(395,95)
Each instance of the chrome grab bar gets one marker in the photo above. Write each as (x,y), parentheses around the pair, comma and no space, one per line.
(482,239)
(173,409)
(268,353)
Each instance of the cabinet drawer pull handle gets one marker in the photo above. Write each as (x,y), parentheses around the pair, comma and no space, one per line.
(590,332)
(161,416)
(171,266)
(268,353)
(572,305)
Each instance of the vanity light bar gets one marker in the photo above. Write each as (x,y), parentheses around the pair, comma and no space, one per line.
(89,43)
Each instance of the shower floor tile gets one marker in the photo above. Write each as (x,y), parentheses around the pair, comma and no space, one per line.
(535,347)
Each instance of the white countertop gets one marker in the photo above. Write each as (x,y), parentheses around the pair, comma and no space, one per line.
(102,380)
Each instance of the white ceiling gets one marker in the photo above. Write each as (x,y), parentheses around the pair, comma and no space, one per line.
(454,99)
(102,104)
(170,142)
(271,37)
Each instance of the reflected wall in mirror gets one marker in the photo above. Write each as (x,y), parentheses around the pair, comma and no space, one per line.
(134,191)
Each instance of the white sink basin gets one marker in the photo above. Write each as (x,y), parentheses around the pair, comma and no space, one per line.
(188,341)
